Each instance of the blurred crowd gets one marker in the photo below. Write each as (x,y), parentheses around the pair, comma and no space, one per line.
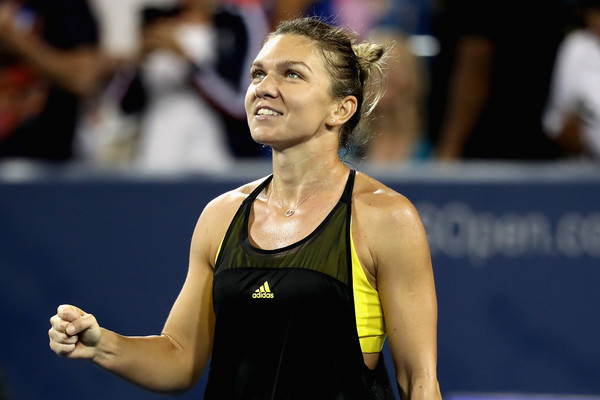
(159,85)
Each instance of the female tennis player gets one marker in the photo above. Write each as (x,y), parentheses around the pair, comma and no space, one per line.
(296,280)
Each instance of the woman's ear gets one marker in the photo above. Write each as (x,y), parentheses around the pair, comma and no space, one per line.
(344,111)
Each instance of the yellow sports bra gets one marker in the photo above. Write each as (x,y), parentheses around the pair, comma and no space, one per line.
(369,314)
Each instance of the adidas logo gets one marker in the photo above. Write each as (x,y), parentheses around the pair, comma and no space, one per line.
(263,292)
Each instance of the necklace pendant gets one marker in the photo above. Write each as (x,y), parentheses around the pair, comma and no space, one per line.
(289,213)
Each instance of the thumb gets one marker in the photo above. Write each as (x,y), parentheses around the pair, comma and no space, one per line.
(82,325)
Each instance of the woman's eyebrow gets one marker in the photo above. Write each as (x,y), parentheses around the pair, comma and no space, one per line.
(283,64)
(291,63)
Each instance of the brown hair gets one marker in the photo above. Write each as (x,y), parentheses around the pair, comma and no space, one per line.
(350,64)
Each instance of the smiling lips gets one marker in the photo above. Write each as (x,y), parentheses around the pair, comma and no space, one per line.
(267,112)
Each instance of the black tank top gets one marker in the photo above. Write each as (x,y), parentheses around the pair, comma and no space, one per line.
(285,322)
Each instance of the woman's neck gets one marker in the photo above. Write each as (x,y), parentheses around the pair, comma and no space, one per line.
(296,173)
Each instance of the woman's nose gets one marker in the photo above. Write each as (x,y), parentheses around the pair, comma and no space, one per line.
(266,88)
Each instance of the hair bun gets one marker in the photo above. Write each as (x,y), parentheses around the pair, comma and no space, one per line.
(368,54)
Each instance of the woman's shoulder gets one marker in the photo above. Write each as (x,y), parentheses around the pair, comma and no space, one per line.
(231,200)
(386,225)
(381,206)
(376,195)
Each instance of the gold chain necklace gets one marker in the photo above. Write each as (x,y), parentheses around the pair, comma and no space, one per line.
(291,211)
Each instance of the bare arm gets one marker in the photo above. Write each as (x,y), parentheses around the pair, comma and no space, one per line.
(404,277)
(171,362)
(468,92)
(174,361)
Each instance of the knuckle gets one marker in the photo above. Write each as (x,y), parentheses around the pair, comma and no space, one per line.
(65,349)
(55,347)
(54,336)
(71,339)
(58,326)
(90,318)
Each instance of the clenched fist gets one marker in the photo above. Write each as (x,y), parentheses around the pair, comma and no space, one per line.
(74,333)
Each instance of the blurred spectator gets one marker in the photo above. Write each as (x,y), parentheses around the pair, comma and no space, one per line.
(397,122)
(49,60)
(241,27)
(573,115)
(189,86)
(491,79)
(179,129)
(359,15)
(411,17)
(406,16)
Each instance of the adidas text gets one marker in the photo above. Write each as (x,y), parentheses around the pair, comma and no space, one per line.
(263,292)
(262,295)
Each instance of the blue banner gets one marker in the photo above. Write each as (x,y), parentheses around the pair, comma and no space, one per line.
(517,267)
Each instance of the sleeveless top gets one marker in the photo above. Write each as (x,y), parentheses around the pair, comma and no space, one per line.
(285,318)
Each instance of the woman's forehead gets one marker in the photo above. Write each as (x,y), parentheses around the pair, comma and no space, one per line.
(288,46)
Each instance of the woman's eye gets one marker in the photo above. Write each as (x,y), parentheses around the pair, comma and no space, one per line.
(293,74)
(257,74)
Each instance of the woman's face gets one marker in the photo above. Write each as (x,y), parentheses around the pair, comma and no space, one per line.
(288,101)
